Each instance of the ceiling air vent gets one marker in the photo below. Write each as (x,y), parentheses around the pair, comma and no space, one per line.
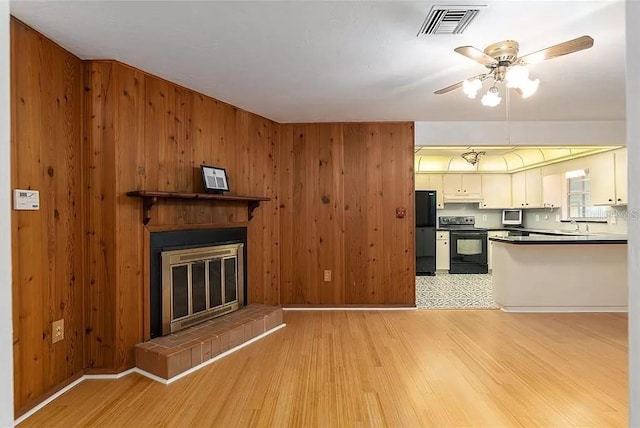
(448,19)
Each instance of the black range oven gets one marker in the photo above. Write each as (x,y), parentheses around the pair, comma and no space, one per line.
(467,245)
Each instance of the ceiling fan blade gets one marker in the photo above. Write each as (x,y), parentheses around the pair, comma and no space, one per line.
(459,84)
(476,55)
(448,88)
(570,46)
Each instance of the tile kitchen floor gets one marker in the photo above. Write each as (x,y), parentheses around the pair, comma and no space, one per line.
(458,291)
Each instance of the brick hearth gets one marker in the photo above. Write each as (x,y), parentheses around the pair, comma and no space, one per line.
(173,354)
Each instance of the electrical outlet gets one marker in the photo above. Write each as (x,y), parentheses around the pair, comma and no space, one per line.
(57,331)
(612,219)
(557,218)
(537,217)
(327,276)
(484,217)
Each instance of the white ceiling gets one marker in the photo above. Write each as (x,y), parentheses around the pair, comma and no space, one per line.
(302,61)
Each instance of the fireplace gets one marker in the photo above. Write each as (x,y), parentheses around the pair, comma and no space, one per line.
(195,275)
(199,284)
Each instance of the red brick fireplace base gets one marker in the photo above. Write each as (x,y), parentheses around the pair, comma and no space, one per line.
(171,355)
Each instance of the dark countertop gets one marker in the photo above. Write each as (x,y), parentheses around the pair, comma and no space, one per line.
(563,239)
(541,231)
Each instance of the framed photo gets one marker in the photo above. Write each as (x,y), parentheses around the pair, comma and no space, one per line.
(214,179)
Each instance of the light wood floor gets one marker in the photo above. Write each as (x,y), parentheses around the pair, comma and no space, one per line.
(408,368)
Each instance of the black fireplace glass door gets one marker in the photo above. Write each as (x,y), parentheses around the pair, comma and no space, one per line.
(198,288)
(230,292)
(180,277)
(215,283)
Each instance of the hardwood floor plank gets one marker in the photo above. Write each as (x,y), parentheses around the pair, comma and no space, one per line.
(395,368)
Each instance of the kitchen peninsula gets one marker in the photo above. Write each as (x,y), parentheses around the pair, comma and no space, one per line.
(562,273)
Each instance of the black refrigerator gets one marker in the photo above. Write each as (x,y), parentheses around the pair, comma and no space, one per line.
(426,232)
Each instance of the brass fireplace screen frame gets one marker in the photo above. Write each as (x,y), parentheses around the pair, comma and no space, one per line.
(188,257)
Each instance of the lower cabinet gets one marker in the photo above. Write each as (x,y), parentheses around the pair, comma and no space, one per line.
(442,250)
(490,243)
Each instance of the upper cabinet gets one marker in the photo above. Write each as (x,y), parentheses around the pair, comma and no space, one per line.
(602,179)
(496,191)
(530,189)
(608,178)
(552,190)
(462,187)
(526,189)
(431,182)
(620,163)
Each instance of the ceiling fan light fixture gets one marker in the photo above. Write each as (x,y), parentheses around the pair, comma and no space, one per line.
(529,87)
(491,98)
(517,76)
(504,64)
(472,157)
(471,87)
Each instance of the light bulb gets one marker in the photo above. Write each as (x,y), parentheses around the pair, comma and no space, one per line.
(491,98)
(529,87)
(517,76)
(471,87)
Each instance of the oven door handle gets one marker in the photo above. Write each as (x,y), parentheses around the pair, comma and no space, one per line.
(469,234)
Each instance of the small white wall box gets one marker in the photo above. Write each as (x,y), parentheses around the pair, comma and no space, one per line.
(26,199)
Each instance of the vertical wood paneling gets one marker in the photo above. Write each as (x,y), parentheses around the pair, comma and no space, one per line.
(47,244)
(330,214)
(340,186)
(286,180)
(100,212)
(129,131)
(263,234)
(356,214)
(398,191)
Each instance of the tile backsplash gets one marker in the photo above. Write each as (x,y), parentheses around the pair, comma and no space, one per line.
(543,218)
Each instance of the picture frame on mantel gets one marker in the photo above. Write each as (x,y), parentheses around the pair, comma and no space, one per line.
(214,179)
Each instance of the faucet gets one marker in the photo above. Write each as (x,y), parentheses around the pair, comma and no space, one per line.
(577,229)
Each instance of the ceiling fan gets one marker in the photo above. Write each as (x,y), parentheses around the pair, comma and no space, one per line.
(503,64)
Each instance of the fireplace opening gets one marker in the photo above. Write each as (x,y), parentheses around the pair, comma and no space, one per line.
(195,275)
(199,284)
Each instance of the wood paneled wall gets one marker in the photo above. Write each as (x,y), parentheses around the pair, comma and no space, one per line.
(84,134)
(147,133)
(46,110)
(340,185)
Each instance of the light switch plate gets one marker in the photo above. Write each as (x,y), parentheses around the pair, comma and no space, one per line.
(26,200)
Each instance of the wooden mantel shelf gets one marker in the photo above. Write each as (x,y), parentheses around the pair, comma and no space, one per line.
(151,197)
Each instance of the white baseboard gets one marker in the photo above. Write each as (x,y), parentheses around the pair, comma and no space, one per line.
(350,308)
(141,372)
(562,309)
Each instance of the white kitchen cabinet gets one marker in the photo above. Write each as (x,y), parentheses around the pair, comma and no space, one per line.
(602,179)
(608,178)
(534,188)
(490,244)
(552,190)
(496,191)
(442,250)
(431,182)
(526,189)
(462,186)
(518,189)
(620,163)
